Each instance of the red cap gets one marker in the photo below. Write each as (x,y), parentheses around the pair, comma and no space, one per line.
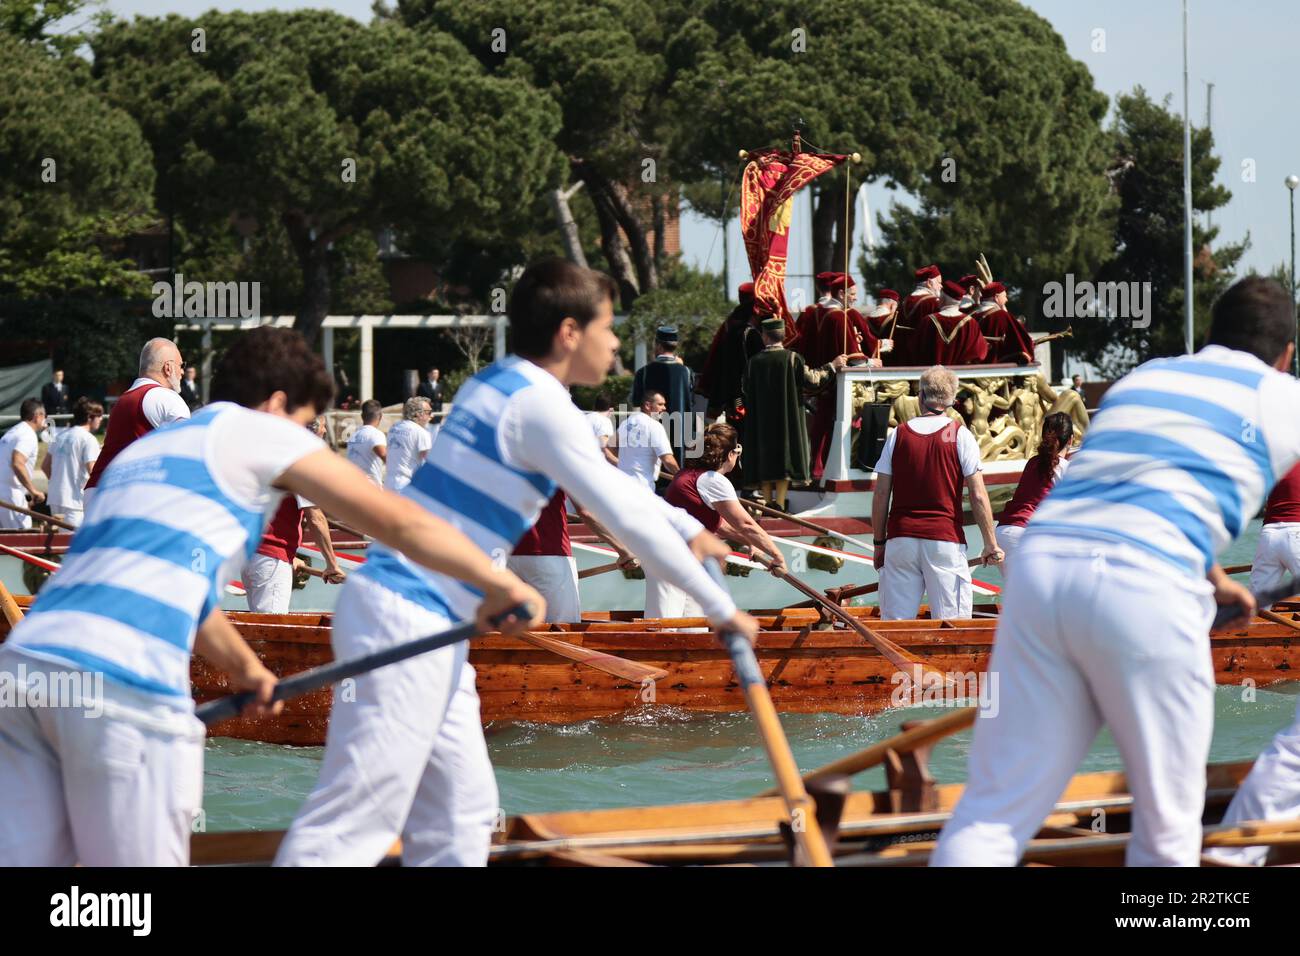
(994,288)
(968,280)
(887,294)
(833,280)
(928,272)
(953,289)
(745,290)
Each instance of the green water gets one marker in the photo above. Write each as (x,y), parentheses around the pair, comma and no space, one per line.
(667,756)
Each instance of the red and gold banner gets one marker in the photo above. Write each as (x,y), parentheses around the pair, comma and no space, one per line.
(767,189)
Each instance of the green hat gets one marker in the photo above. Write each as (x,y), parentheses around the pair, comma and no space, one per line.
(774,324)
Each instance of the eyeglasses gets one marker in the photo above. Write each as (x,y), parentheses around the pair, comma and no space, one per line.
(738,449)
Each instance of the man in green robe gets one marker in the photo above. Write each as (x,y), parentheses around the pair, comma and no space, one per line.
(776,432)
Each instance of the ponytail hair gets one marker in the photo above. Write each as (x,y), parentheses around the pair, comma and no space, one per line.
(1058,429)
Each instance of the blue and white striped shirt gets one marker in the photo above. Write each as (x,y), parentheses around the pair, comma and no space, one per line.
(176,512)
(1181,455)
(513,436)
(467,481)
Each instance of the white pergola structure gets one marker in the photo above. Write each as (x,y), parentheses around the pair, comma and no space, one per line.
(366,323)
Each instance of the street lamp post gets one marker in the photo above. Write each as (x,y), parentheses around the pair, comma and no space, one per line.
(1291,182)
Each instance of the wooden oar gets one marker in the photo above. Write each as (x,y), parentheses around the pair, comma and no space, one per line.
(891,651)
(1276,618)
(58,523)
(805,523)
(803,812)
(345,528)
(1238,569)
(12,612)
(609,663)
(859,589)
(1229,613)
(215,711)
(598,660)
(601,569)
(922,735)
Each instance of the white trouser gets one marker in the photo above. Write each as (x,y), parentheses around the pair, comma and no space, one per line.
(1271,791)
(113,781)
(70,514)
(12,520)
(665,600)
(916,566)
(555,576)
(269,583)
(1086,640)
(404,755)
(1276,556)
(1008,539)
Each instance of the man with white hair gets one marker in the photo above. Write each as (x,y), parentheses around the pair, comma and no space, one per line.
(918,506)
(409,442)
(152,401)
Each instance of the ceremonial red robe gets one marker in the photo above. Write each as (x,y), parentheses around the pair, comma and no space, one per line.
(949,337)
(868,339)
(807,339)
(1008,340)
(839,334)
(921,303)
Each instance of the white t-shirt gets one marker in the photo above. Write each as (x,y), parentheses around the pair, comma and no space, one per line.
(21,438)
(161,406)
(407,445)
(642,441)
(72,456)
(256,449)
(542,430)
(968,449)
(714,487)
(361,452)
(601,427)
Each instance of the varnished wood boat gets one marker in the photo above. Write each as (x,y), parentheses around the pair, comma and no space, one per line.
(1089,825)
(809,669)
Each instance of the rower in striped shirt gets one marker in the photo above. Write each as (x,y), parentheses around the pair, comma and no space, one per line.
(405,755)
(111,773)
(1105,621)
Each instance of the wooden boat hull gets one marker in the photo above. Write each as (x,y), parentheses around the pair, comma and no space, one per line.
(808,670)
(875,829)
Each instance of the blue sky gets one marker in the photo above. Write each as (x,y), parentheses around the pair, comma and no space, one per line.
(1245,48)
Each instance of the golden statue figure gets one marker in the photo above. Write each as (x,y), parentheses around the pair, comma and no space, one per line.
(1068,401)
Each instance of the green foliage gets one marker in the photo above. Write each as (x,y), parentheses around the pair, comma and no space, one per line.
(63,277)
(617,387)
(33,22)
(56,236)
(95,340)
(1149,241)
(1013,169)
(692,301)
(269,119)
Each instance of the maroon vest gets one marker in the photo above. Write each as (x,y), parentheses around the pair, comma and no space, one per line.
(927,485)
(284,534)
(1030,492)
(1284,503)
(683,494)
(125,425)
(549,535)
